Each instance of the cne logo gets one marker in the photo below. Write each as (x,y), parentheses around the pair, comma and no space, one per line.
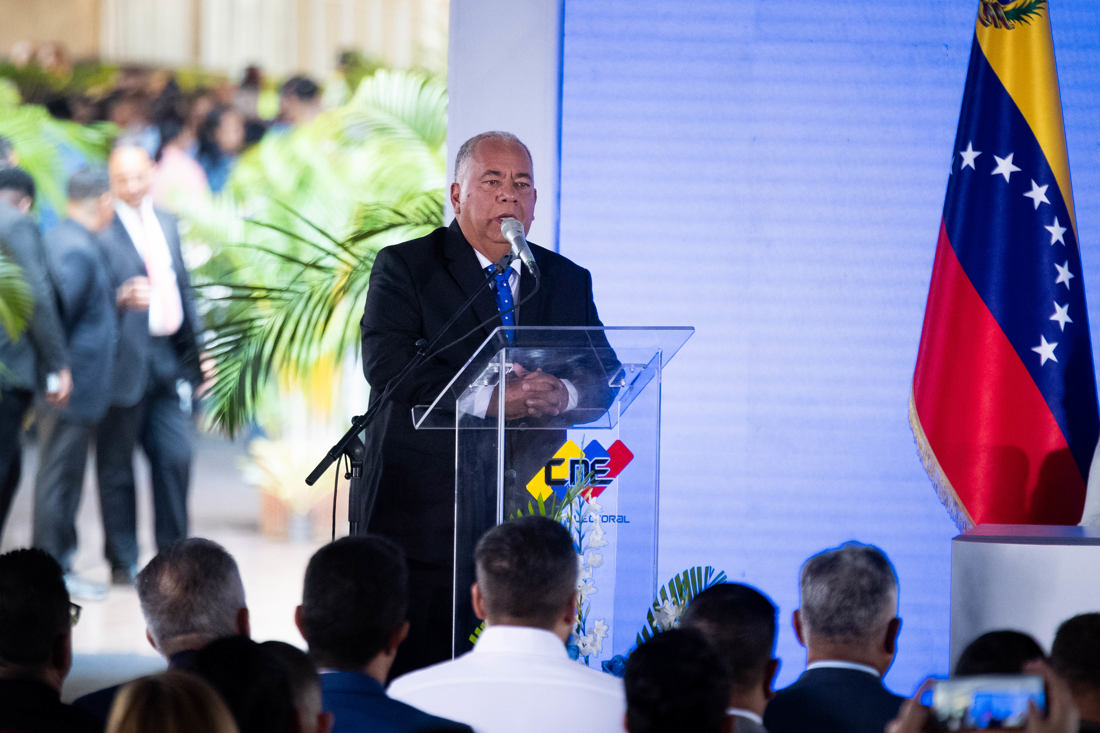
(586,472)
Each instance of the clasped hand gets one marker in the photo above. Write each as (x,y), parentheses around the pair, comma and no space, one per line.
(531,394)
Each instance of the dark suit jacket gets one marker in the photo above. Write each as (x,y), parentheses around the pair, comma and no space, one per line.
(86,301)
(27,706)
(415,287)
(135,364)
(832,700)
(359,704)
(41,348)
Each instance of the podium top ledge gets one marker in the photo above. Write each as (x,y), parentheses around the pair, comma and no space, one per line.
(1031,534)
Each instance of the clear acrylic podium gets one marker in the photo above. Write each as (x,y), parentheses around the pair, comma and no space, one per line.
(595,468)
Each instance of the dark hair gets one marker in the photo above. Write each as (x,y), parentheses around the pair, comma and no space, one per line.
(191,587)
(34,607)
(6,151)
(90,182)
(305,682)
(1075,652)
(16,179)
(170,126)
(301,87)
(208,132)
(998,652)
(527,570)
(675,682)
(739,621)
(252,681)
(355,595)
(848,592)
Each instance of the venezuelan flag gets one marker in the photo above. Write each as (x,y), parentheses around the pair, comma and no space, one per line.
(1004,405)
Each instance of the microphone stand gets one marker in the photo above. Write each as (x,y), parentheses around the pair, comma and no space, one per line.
(350,445)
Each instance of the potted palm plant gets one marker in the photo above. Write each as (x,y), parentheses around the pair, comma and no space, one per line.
(283,256)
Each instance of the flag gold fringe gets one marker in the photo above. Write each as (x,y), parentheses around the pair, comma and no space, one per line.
(940,482)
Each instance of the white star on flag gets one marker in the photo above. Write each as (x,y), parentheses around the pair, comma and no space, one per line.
(1004,166)
(1061,314)
(1056,232)
(1064,275)
(1038,194)
(969,156)
(1045,351)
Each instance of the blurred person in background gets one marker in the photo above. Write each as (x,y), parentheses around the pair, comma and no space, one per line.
(221,138)
(86,305)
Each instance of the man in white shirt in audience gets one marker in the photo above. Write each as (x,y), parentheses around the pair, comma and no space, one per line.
(519,677)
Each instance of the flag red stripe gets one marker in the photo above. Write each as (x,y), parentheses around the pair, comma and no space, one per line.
(985,419)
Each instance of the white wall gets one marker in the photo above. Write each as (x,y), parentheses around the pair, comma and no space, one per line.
(504,73)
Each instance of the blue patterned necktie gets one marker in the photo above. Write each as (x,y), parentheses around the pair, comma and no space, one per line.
(504,301)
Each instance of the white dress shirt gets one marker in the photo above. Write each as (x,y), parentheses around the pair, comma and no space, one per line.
(165,303)
(517,679)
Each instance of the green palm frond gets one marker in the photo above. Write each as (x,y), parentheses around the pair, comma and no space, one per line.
(310,314)
(283,255)
(673,598)
(40,140)
(1025,11)
(16,301)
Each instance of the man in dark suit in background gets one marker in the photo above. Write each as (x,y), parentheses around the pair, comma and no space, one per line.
(86,302)
(848,623)
(354,603)
(739,622)
(156,366)
(415,287)
(26,360)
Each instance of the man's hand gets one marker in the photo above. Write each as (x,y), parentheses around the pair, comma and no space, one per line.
(531,394)
(913,717)
(1062,716)
(133,295)
(59,397)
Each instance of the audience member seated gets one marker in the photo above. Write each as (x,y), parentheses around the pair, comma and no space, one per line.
(170,702)
(848,623)
(254,684)
(676,682)
(998,652)
(36,621)
(353,616)
(740,623)
(1061,715)
(305,685)
(191,594)
(1075,655)
(519,677)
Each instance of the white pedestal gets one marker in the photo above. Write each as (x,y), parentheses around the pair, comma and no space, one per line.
(1025,577)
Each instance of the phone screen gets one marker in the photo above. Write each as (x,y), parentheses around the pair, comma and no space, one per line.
(986,701)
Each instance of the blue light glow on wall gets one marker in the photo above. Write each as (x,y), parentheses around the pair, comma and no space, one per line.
(773,173)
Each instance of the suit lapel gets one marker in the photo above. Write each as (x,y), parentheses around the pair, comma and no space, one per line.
(464,268)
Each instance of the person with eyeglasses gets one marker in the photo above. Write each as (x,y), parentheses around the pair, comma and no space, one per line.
(36,621)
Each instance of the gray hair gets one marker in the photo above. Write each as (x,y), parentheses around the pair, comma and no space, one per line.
(848,593)
(191,588)
(466,151)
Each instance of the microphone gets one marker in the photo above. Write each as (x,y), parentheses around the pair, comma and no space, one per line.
(513,232)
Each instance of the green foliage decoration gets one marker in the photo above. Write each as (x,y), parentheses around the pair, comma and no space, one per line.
(39,141)
(283,255)
(16,302)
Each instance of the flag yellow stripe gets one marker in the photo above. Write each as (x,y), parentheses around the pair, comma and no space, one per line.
(1023,59)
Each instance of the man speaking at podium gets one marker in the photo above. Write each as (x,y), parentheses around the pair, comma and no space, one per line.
(415,288)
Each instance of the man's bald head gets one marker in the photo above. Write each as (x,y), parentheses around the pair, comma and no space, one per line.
(131,172)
